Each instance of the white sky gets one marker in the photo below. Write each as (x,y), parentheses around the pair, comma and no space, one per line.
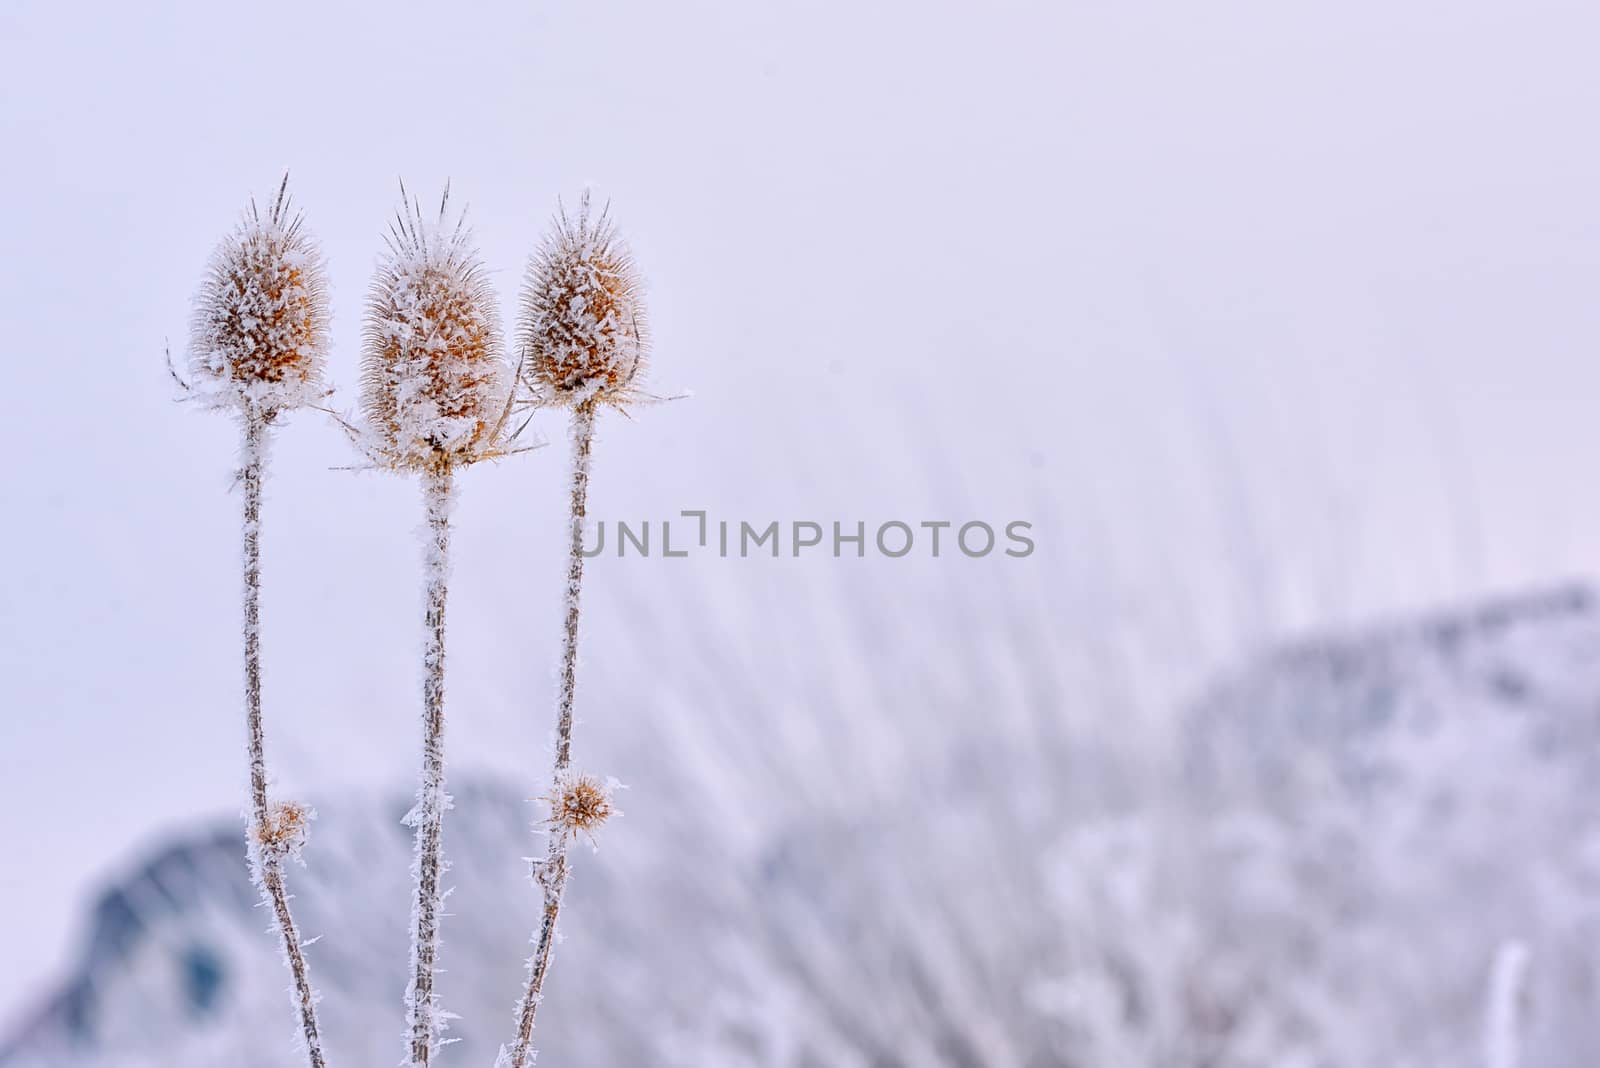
(1281,312)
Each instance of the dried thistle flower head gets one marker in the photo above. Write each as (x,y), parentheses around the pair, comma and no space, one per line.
(435,387)
(259,333)
(581,803)
(582,331)
(287,825)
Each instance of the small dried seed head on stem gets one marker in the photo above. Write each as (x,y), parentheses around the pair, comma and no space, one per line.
(582,332)
(580,804)
(285,829)
(259,333)
(435,387)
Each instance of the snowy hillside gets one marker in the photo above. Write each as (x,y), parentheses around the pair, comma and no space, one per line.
(1363,852)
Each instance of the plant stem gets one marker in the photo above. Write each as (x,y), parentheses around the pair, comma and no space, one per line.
(552,873)
(267,862)
(305,998)
(425,1021)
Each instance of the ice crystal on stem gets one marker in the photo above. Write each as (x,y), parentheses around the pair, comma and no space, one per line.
(258,347)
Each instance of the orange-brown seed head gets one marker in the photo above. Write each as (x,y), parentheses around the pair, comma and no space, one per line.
(582,330)
(259,334)
(434,382)
(581,804)
(285,829)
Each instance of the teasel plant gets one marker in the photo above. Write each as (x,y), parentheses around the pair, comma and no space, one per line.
(258,350)
(582,341)
(437,394)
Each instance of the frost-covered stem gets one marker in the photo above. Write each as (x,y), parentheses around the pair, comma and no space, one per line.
(424,1018)
(552,872)
(255,433)
(582,447)
(268,863)
(305,998)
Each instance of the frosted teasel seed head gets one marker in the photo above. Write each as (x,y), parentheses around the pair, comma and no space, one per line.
(287,826)
(435,387)
(581,803)
(258,338)
(582,332)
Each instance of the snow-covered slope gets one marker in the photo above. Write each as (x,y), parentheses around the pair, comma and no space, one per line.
(1365,851)
(178,968)
(1393,824)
